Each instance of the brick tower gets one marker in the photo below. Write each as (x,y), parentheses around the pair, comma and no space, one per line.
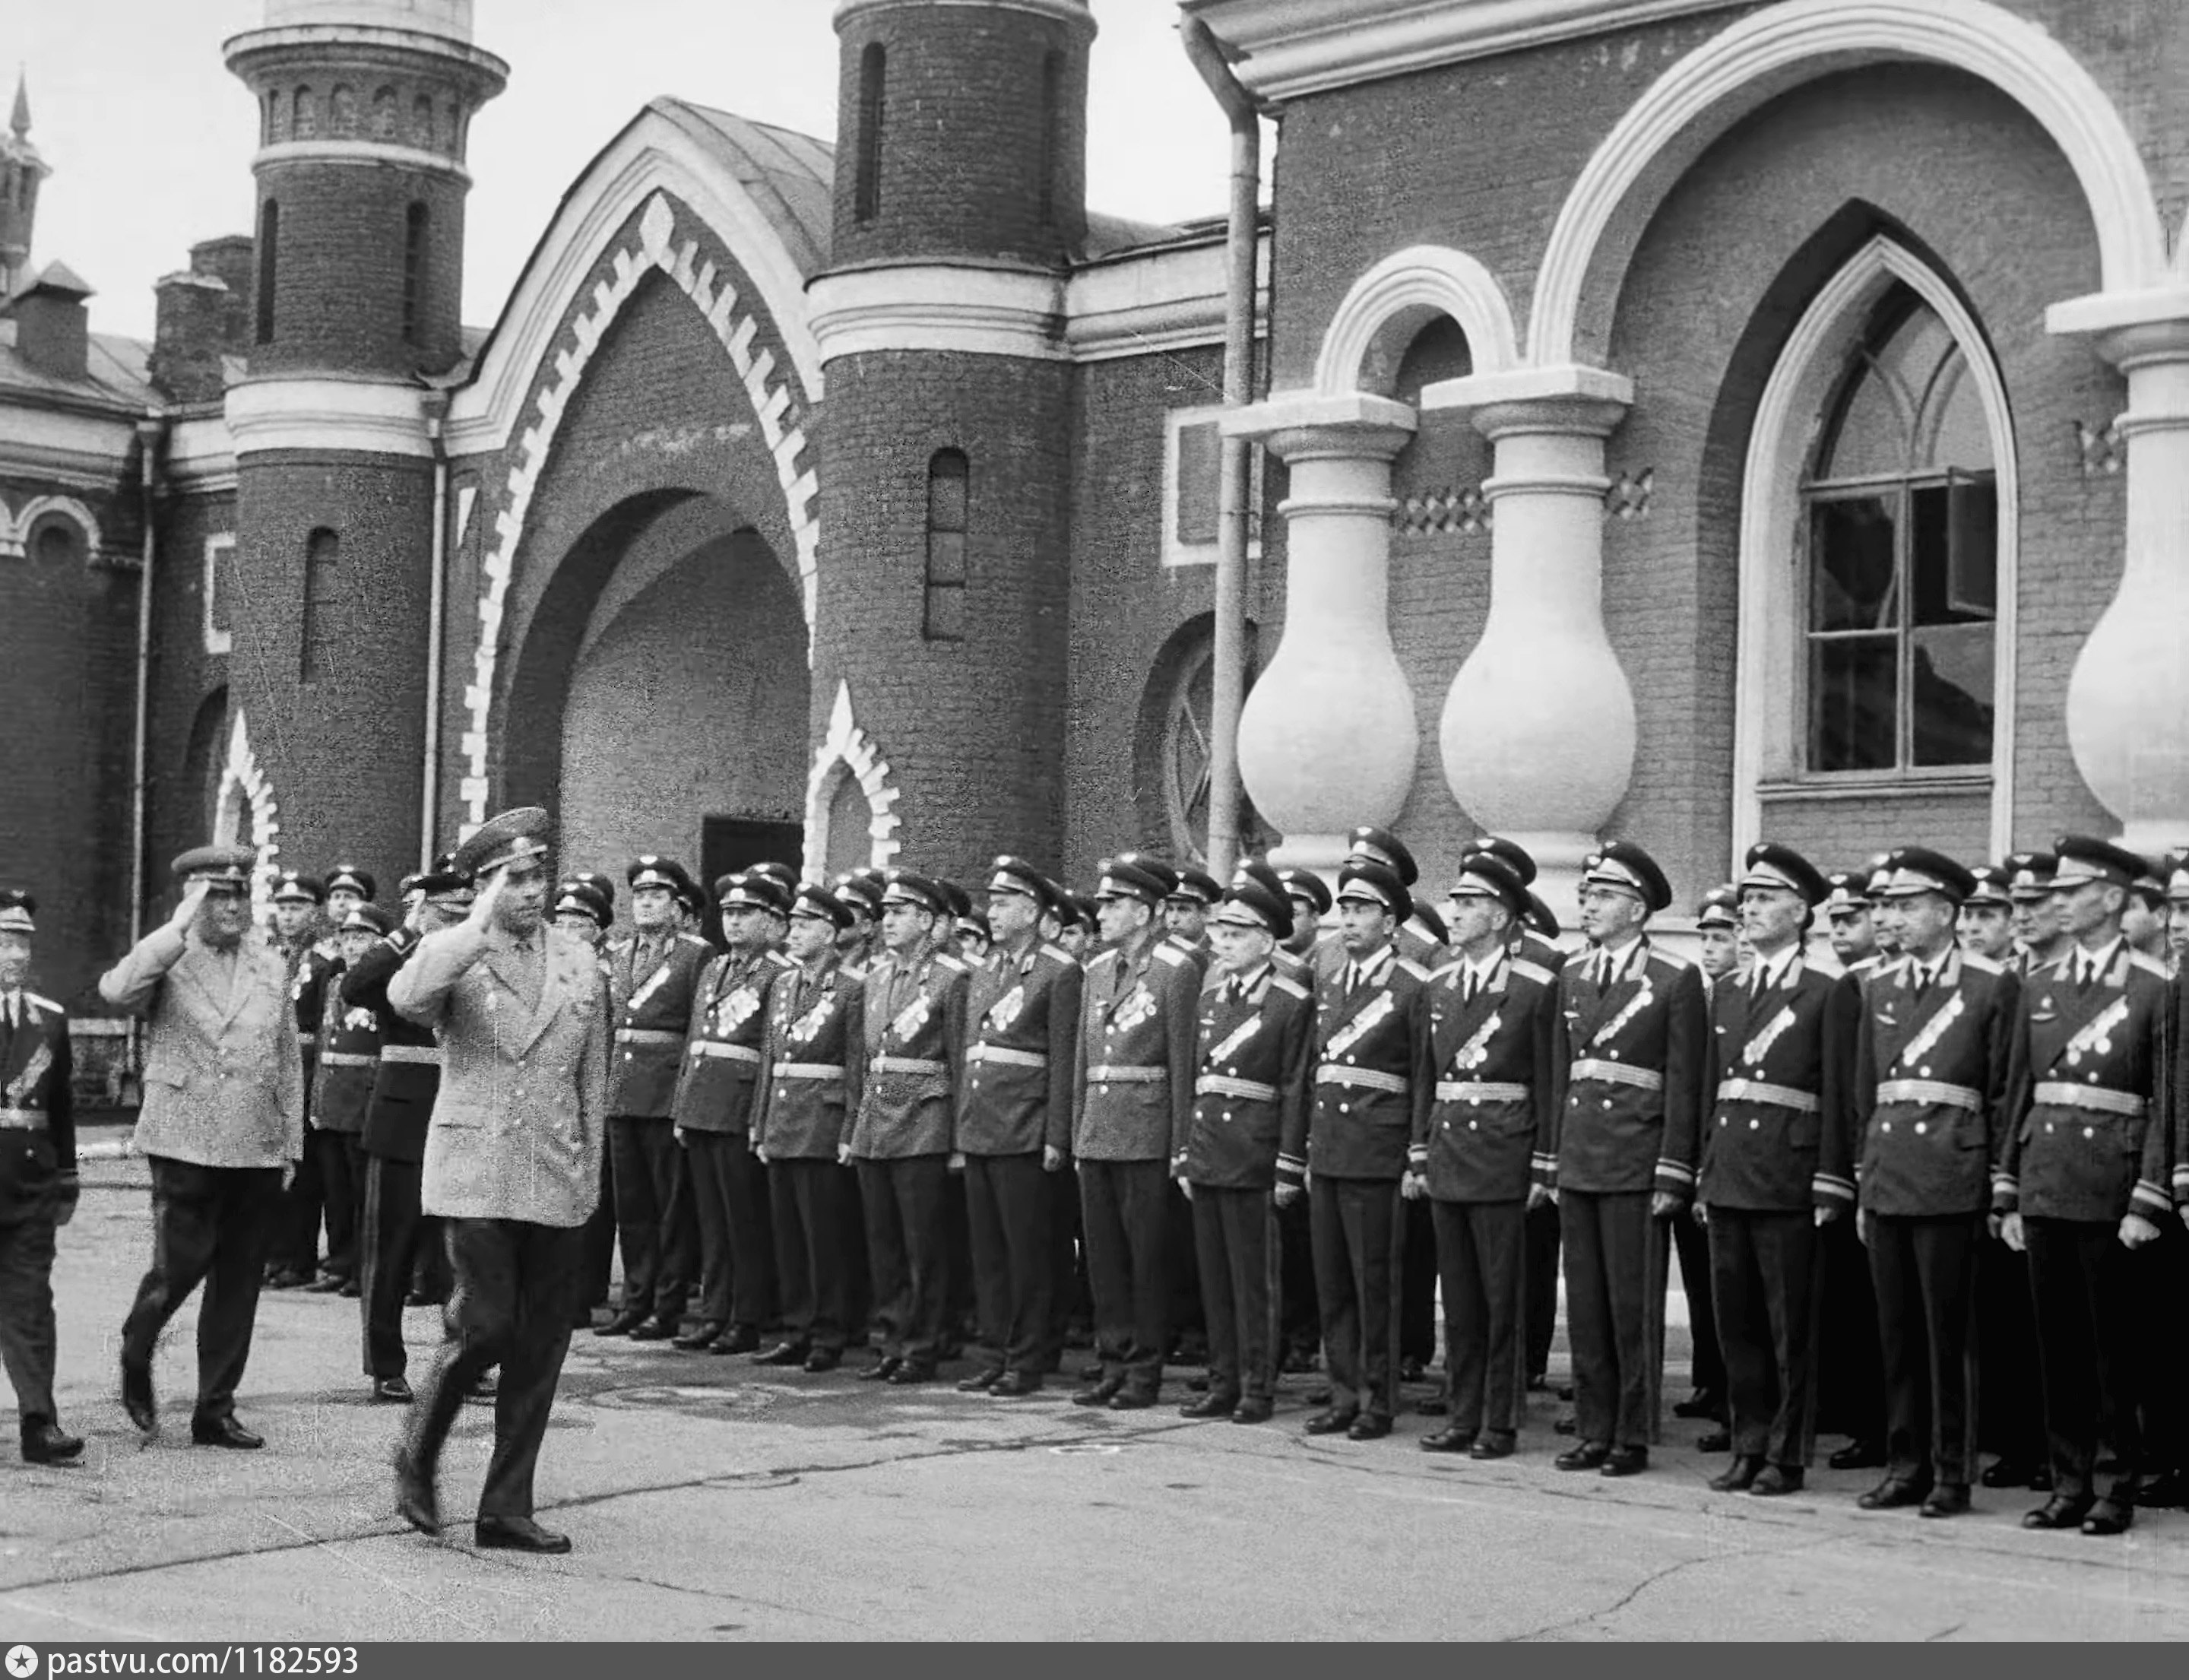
(364,107)
(960,197)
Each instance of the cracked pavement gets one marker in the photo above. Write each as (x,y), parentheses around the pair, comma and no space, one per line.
(711,1500)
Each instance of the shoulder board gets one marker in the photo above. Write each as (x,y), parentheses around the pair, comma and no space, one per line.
(45,1003)
(852,972)
(1580,959)
(1102,959)
(943,959)
(1670,959)
(2150,965)
(1057,953)
(693,939)
(1982,964)
(1449,970)
(617,946)
(1291,986)
(1408,965)
(778,958)
(1535,971)
(1168,952)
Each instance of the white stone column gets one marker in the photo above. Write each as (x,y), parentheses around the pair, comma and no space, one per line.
(1538,731)
(2128,701)
(1327,739)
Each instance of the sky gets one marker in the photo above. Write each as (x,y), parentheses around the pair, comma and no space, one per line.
(150,137)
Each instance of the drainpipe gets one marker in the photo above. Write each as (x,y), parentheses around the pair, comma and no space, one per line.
(151,431)
(1227,676)
(429,816)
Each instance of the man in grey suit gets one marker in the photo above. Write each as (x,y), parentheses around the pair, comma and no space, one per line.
(513,1164)
(222,1123)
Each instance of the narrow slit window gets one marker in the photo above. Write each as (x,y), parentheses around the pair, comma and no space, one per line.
(415,226)
(948,478)
(866,185)
(270,245)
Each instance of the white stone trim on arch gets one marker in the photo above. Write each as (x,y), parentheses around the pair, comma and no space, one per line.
(843,751)
(658,247)
(2013,54)
(1426,278)
(1768,655)
(244,811)
(16,534)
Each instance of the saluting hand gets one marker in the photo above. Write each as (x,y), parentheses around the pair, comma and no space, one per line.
(482,915)
(187,911)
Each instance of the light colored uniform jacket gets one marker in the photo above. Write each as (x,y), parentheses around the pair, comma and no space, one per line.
(517,1123)
(223,1081)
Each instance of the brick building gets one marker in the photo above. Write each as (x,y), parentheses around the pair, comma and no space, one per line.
(1678,419)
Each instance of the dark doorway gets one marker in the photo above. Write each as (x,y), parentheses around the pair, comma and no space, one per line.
(728,843)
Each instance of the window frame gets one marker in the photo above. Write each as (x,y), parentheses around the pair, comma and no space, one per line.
(1173,550)
(219,642)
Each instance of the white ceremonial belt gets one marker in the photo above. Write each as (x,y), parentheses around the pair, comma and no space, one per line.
(906,1064)
(1762,1090)
(2058,1094)
(428,1055)
(1007,1057)
(1364,1079)
(1930,1094)
(647,1035)
(808,1070)
(348,1058)
(1480,1090)
(722,1052)
(1618,1073)
(22,1119)
(1116,1073)
(1224,1085)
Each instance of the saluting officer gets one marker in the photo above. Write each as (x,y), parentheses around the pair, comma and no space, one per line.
(713,1112)
(914,1022)
(654,977)
(1253,1055)
(1626,1067)
(37,1182)
(812,1065)
(1480,1141)
(349,1060)
(2085,1180)
(1369,1019)
(1930,1083)
(1778,1164)
(1014,1126)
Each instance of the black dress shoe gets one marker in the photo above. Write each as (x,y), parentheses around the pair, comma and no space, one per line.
(325,1284)
(350,1289)
(1859,1454)
(1254,1409)
(1091,1371)
(1369,1426)
(1101,1393)
(1436,1405)
(1775,1479)
(136,1395)
(739,1338)
(623,1323)
(1588,1455)
(822,1358)
(224,1431)
(45,1442)
(2167,1492)
(416,1501)
(1625,1461)
(1497,1443)
(783,1353)
(693,1341)
(390,1391)
(1894,1494)
(881,1370)
(2059,1512)
(1329,1422)
(1948,1499)
(1319,1395)
(1198,1383)
(2109,1516)
(1714,1440)
(1737,1476)
(1449,1439)
(1014,1385)
(518,1534)
(654,1330)
(1210,1405)
(980,1381)
(1130,1399)
(908,1375)
(1700,1404)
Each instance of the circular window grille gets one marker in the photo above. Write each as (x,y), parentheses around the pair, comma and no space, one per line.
(1186,737)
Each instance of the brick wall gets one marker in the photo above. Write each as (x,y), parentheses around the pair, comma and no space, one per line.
(187,716)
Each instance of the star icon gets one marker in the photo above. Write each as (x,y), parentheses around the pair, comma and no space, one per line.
(22,1662)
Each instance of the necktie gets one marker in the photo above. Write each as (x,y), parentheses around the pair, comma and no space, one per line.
(1474,988)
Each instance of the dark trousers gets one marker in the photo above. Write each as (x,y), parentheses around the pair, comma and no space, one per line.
(1482,1257)
(961,1314)
(2161,1271)
(654,1217)
(1359,1236)
(908,1254)
(27,1336)
(1612,1263)
(1765,1279)
(340,1162)
(1925,1274)
(599,1265)
(393,1228)
(210,1225)
(1707,1365)
(2009,1376)
(516,1284)
(1235,1241)
(295,1245)
(1007,1208)
(811,1207)
(1417,1283)
(857,1271)
(1299,1316)
(2082,1285)
(1126,1207)
(431,1279)
(1186,1319)
(737,1250)
(1066,1298)
(1542,1302)
(1850,1367)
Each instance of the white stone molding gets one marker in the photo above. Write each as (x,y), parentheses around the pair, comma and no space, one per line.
(1073,11)
(846,751)
(369,416)
(15,533)
(1176,550)
(1765,52)
(1387,306)
(771,397)
(83,451)
(1766,724)
(365,154)
(219,642)
(1146,303)
(939,305)
(244,811)
(201,456)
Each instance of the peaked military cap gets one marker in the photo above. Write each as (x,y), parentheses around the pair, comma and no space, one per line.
(1488,875)
(2029,874)
(1987,884)
(2085,857)
(348,878)
(1159,870)
(229,866)
(783,875)
(18,911)
(1515,856)
(580,897)
(815,902)
(922,892)
(749,889)
(1542,919)
(1428,922)
(1008,874)
(1129,876)
(1251,902)
(443,880)
(957,902)
(1772,867)
(368,918)
(509,838)
(861,887)
(1917,869)
(1381,846)
(291,886)
(1721,908)
(649,869)
(1365,882)
(1850,891)
(1305,886)
(2175,870)
(1194,886)
(1626,867)
(1258,869)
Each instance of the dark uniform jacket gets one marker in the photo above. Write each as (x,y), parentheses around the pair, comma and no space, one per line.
(348,1058)
(1253,1057)
(1626,1066)
(1360,1118)
(729,1028)
(1022,1019)
(1776,1086)
(1133,1076)
(914,1027)
(2178,1093)
(311,968)
(812,1060)
(2087,1094)
(653,1017)
(1484,1134)
(408,1076)
(38,1143)
(1930,1074)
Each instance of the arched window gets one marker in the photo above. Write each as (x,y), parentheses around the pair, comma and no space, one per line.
(415,224)
(57,543)
(867,183)
(1902,556)
(269,240)
(322,557)
(948,481)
